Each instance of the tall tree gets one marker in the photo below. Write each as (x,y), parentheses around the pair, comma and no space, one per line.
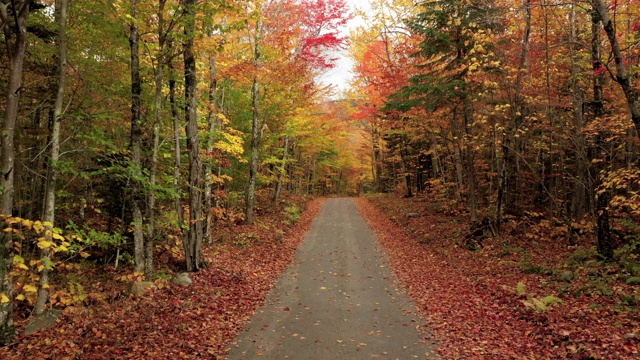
(580,201)
(177,148)
(516,119)
(255,125)
(194,240)
(163,31)
(13,21)
(136,139)
(212,119)
(52,168)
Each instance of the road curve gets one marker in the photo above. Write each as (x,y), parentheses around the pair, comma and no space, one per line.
(337,300)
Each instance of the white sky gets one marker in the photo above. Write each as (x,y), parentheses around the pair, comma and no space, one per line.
(340,76)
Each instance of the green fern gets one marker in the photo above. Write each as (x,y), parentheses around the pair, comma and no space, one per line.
(536,304)
(551,300)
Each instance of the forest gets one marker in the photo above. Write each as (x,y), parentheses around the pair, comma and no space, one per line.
(144,140)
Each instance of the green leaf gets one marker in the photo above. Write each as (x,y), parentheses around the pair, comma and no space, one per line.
(634,280)
(550,300)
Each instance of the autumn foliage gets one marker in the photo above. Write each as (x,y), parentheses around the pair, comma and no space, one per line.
(133,186)
(511,130)
(173,321)
(508,131)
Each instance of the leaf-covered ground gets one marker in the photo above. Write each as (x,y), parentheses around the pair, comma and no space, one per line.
(471,299)
(175,322)
(474,302)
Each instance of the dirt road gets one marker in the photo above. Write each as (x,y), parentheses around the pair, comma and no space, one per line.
(337,301)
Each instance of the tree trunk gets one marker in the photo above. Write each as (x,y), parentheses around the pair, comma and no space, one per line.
(435,159)
(255,142)
(579,201)
(405,169)
(193,241)
(177,153)
(208,168)
(311,177)
(376,165)
(622,77)
(604,245)
(151,199)
(136,135)
(598,78)
(50,193)
(255,131)
(518,108)
(470,160)
(220,185)
(282,171)
(14,28)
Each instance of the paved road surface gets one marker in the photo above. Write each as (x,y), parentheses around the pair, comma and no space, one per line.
(337,301)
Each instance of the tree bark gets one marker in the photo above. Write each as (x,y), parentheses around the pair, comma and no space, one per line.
(255,130)
(604,244)
(50,193)
(193,241)
(598,78)
(282,170)
(579,201)
(151,198)
(406,172)
(135,143)
(457,154)
(470,160)
(177,151)
(15,33)
(376,165)
(208,168)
